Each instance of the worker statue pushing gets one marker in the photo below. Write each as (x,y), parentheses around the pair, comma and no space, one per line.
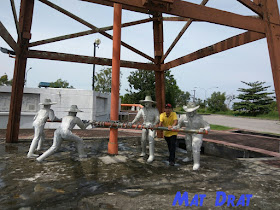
(193,142)
(64,133)
(151,118)
(39,122)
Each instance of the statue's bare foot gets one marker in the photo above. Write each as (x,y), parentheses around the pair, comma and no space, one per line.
(187,159)
(32,155)
(82,156)
(196,166)
(150,159)
(143,154)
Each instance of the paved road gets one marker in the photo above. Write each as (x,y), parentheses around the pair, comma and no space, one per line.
(269,126)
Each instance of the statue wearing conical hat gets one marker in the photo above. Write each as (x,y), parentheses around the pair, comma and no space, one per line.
(64,132)
(40,119)
(150,116)
(193,120)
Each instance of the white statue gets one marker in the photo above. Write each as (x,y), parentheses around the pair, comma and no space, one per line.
(151,118)
(40,120)
(193,141)
(64,133)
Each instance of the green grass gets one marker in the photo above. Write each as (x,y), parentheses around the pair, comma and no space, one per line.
(220,127)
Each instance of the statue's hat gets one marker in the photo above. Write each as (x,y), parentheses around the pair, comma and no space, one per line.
(191,106)
(74,108)
(47,101)
(148,99)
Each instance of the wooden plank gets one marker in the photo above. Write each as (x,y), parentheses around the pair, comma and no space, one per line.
(203,13)
(252,6)
(87,59)
(84,33)
(229,43)
(15,18)
(69,14)
(25,22)
(8,38)
(186,26)
(271,14)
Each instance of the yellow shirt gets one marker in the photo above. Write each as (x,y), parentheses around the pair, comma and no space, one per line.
(166,121)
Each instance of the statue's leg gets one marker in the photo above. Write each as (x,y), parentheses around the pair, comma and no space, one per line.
(41,141)
(196,145)
(151,137)
(188,142)
(34,143)
(57,140)
(143,142)
(79,144)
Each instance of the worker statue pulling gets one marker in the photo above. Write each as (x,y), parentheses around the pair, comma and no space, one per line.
(151,118)
(193,140)
(40,119)
(64,133)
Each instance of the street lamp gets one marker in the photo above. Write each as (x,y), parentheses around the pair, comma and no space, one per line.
(6,51)
(96,43)
(193,94)
(205,91)
(26,75)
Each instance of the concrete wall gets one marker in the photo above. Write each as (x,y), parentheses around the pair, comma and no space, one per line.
(95,105)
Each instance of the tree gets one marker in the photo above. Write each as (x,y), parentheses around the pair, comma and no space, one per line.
(216,102)
(60,84)
(229,99)
(254,100)
(4,81)
(142,83)
(182,98)
(103,80)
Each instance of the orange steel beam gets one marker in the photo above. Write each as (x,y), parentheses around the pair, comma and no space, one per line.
(229,43)
(130,105)
(271,14)
(252,6)
(186,26)
(203,13)
(87,59)
(25,22)
(113,139)
(80,20)
(8,38)
(83,33)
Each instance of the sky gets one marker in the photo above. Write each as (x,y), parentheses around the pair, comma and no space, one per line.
(220,72)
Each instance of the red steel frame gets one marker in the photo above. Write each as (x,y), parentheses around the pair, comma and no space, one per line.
(267,24)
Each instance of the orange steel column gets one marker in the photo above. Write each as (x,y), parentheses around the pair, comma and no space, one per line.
(25,22)
(113,140)
(272,17)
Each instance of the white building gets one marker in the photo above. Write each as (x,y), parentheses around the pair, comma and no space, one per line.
(95,105)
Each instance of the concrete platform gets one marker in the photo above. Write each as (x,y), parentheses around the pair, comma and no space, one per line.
(64,181)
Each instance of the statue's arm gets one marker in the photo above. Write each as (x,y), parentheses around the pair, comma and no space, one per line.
(181,121)
(81,124)
(138,116)
(206,125)
(52,117)
(157,117)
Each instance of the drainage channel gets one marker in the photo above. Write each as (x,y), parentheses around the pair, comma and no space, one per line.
(231,145)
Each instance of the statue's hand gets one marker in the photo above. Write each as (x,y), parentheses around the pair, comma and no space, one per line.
(201,130)
(175,127)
